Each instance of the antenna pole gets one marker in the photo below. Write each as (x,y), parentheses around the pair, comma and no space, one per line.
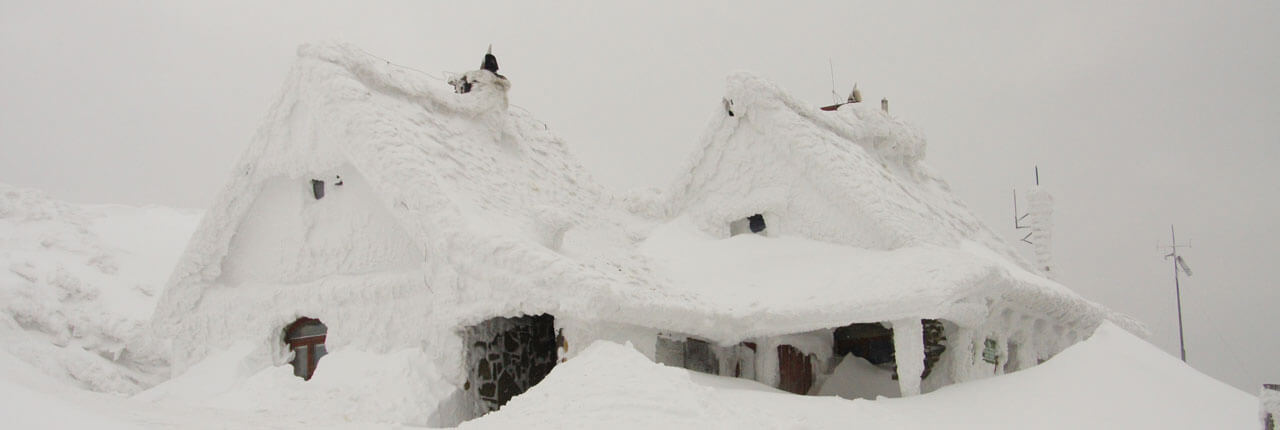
(834,98)
(1015,209)
(1177,288)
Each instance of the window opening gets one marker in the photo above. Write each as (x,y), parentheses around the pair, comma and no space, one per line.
(699,357)
(752,224)
(317,188)
(990,351)
(756,223)
(871,341)
(305,338)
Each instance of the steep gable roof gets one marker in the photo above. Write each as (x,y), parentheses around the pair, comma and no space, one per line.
(865,162)
(465,176)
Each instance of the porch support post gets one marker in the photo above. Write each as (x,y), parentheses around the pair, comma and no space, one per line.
(908,347)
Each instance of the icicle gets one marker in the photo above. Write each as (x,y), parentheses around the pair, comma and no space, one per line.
(908,350)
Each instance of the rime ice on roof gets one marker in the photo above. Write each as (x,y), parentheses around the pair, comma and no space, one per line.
(1041,222)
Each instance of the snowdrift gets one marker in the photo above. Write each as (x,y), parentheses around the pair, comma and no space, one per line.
(1111,380)
(79,282)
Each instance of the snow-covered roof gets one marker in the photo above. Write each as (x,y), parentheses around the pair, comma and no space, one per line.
(864,167)
(483,190)
(508,222)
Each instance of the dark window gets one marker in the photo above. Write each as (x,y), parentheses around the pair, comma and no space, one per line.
(872,341)
(935,343)
(306,339)
(753,224)
(699,357)
(756,222)
(317,188)
(990,351)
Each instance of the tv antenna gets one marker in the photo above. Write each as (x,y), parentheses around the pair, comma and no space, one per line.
(1178,265)
(1017,219)
(835,98)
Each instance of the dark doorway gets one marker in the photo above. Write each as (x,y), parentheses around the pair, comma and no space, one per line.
(874,342)
(795,370)
(306,339)
(508,356)
(871,341)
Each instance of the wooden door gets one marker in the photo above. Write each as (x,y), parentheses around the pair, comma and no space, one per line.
(795,370)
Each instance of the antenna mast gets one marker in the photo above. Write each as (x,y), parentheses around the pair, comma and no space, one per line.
(1177,287)
(835,98)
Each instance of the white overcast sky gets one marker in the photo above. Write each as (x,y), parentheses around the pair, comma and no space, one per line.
(1140,114)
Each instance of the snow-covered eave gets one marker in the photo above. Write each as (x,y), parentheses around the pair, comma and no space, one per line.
(963,292)
(1048,297)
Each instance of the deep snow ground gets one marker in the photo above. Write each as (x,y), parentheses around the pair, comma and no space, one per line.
(77,281)
(1112,380)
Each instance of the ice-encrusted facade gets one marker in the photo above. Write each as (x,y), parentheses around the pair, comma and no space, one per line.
(443,215)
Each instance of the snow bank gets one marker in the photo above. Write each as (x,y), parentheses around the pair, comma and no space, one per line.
(31,400)
(78,283)
(1111,380)
(349,386)
(612,386)
(856,378)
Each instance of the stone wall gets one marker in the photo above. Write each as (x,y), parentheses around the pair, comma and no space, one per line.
(506,356)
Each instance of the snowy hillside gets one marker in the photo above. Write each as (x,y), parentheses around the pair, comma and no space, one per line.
(77,282)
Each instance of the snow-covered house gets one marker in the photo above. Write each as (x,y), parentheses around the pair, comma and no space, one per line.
(378,211)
